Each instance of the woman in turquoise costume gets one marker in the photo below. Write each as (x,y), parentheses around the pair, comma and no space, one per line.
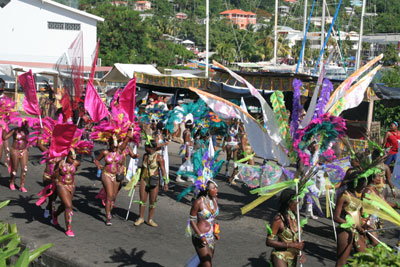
(201,225)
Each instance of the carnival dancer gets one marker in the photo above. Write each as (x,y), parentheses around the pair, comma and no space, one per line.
(48,174)
(202,222)
(186,151)
(152,164)
(245,156)
(114,165)
(284,233)
(6,114)
(19,153)
(376,184)
(65,180)
(232,143)
(201,225)
(391,141)
(348,213)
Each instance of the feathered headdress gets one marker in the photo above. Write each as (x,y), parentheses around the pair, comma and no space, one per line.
(322,131)
(6,109)
(205,168)
(116,125)
(154,114)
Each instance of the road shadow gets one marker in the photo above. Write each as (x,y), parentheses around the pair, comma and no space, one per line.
(134,258)
(84,201)
(89,173)
(319,251)
(260,261)
(35,160)
(31,212)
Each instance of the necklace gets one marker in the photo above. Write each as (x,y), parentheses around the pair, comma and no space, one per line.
(210,205)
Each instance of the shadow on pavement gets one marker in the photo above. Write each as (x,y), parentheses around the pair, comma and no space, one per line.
(134,258)
(260,261)
(90,173)
(31,211)
(85,195)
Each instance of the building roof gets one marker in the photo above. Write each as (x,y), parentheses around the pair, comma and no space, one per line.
(237,11)
(187,42)
(74,10)
(125,72)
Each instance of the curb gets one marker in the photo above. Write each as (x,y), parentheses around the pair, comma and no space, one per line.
(50,258)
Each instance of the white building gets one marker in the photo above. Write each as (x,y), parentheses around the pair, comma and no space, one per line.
(142,5)
(35,33)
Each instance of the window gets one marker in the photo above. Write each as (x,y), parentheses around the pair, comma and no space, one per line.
(63,26)
(55,25)
(73,26)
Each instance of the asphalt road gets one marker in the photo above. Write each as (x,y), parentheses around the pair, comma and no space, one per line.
(242,237)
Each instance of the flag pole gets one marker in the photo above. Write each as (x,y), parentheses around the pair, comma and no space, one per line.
(298,215)
(130,203)
(40,119)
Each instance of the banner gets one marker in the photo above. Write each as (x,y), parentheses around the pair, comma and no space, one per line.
(127,99)
(94,59)
(94,105)
(61,140)
(30,104)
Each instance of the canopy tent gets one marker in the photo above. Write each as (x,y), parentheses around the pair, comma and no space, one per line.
(125,72)
(386,93)
(10,70)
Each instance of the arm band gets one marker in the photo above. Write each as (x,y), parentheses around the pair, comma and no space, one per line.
(166,179)
(193,218)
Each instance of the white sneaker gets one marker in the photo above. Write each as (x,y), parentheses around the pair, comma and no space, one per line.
(179,179)
(46,213)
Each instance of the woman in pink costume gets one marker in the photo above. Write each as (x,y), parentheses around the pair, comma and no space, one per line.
(19,153)
(113,158)
(64,173)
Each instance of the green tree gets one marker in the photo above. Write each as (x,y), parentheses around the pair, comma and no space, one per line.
(390,55)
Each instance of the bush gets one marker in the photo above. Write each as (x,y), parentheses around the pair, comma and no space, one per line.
(9,245)
(375,256)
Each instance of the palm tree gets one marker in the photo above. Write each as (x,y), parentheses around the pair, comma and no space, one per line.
(226,52)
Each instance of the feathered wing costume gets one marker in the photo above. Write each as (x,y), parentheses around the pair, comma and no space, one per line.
(322,131)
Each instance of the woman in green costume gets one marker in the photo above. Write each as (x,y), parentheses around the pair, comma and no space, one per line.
(348,214)
(284,235)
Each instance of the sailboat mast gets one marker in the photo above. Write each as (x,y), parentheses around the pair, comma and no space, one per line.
(359,48)
(207,33)
(276,33)
(304,33)
(322,34)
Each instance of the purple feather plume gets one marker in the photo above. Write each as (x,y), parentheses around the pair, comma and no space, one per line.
(294,125)
(288,173)
(340,172)
(327,88)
